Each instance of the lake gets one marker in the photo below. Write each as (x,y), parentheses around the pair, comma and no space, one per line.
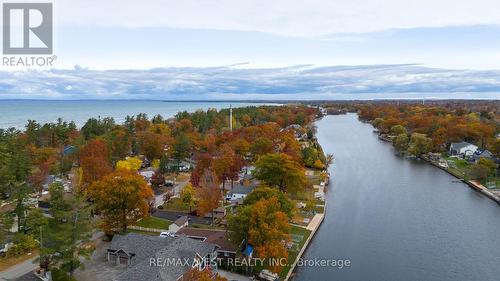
(16,113)
(398,219)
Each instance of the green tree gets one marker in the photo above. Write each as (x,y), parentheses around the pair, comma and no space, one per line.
(401,142)
(419,144)
(66,237)
(398,130)
(281,171)
(181,149)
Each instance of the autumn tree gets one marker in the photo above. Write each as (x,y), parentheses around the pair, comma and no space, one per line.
(264,225)
(130,163)
(122,197)
(187,195)
(264,192)
(94,161)
(281,171)
(208,194)
(226,165)
(261,146)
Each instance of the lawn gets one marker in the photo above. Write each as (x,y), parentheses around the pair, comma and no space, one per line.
(175,204)
(299,236)
(154,222)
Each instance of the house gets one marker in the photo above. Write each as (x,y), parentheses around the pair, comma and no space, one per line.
(218,213)
(178,224)
(240,191)
(226,248)
(462,149)
(142,256)
(482,153)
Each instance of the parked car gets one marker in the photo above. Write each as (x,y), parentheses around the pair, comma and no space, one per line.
(169,183)
(167,234)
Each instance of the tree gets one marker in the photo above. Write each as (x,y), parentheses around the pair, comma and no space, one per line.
(398,130)
(264,226)
(35,220)
(94,161)
(122,197)
(261,146)
(151,144)
(188,195)
(131,164)
(264,192)
(478,172)
(209,194)
(281,171)
(64,240)
(157,179)
(181,148)
(400,142)
(226,165)
(419,144)
(202,275)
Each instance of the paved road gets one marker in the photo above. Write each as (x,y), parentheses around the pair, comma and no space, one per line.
(19,269)
(177,190)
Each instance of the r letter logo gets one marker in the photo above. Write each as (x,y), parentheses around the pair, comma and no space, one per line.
(27,28)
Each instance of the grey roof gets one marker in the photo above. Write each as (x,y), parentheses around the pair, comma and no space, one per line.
(242,189)
(142,246)
(483,153)
(181,221)
(460,145)
(184,248)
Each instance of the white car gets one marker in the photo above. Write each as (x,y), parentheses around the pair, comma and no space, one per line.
(167,234)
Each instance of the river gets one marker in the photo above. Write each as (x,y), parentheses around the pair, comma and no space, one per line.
(398,219)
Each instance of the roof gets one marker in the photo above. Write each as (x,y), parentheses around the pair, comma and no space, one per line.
(460,145)
(483,153)
(218,237)
(183,249)
(181,221)
(242,189)
(142,246)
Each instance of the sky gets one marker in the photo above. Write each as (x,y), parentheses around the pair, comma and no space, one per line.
(240,36)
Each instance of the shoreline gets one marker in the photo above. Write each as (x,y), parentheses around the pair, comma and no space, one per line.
(471,184)
(305,246)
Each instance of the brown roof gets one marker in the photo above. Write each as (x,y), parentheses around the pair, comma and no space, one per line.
(217,237)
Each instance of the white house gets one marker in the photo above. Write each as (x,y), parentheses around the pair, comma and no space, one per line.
(463,149)
(239,192)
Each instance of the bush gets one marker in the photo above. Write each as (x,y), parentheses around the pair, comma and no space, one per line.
(23,244)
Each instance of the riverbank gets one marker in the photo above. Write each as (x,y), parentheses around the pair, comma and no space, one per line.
(473,184)
(313,226)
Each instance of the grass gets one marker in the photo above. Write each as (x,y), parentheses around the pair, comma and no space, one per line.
(154,222)
(175,204)
(11,261)
(295,231)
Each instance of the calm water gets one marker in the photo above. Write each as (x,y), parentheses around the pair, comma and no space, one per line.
(15,113)
(399,219)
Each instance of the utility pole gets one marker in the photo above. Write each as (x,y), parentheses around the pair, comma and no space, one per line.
(230,118)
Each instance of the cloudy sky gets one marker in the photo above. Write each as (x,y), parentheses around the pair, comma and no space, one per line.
(251,46)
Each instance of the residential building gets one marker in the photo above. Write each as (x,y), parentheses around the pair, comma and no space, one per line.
(178,224)
(462,149)
(143,256)
(226,248)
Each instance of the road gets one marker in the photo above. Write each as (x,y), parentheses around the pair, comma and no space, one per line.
(177,190)
(19,269)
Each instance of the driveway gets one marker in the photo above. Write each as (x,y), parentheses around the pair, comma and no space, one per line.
(19,269)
